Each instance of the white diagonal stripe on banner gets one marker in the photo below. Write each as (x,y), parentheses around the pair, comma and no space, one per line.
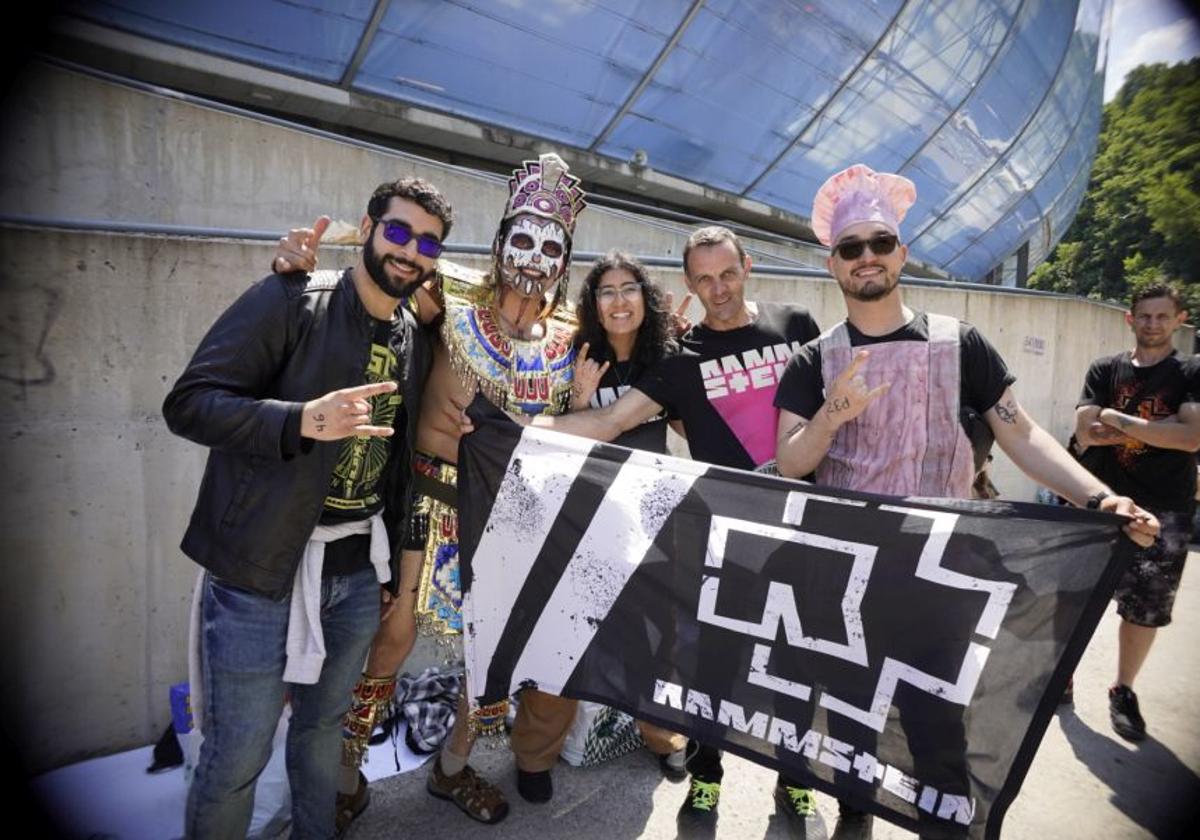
(644,493)
(540,472)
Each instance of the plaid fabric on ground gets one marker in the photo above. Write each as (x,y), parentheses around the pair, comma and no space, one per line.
(426,703)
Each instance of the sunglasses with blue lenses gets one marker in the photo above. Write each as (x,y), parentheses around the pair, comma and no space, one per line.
(401,233)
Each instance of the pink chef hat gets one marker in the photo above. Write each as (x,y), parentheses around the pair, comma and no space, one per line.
(860,194)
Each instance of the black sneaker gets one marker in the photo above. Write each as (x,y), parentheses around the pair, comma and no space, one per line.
(698,814)
(535,787)
(799,805)
(674,766)
(852,824)
(1124,713)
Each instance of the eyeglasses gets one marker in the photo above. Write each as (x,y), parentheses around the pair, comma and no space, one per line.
(401,233)
(880,245)
(608,294)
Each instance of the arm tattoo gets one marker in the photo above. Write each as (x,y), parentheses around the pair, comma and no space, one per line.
(796,428)
(1007,412)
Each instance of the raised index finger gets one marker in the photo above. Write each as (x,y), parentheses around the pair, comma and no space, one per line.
(371,389)
(583,351)
(318,230)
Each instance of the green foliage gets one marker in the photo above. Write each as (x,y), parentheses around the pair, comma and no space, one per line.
(1140,219)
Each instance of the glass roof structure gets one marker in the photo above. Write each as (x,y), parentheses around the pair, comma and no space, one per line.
(992,107)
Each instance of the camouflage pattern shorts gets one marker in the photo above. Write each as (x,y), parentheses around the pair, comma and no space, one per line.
(1146,592)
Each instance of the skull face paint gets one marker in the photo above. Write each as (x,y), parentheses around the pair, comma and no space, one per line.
(533,257)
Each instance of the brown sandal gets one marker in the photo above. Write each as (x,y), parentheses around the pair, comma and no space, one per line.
(350,805)
(478,798)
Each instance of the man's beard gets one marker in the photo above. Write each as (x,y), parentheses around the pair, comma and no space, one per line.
(873,291)
(377,270)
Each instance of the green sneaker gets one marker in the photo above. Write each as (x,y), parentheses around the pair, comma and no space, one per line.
(799,803)
(698,814)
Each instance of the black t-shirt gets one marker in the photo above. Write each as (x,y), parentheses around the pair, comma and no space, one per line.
(356,485)
(982,379)
(1160,479)
(722,384)
(619,378)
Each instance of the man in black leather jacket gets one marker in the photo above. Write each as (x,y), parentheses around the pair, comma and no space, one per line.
(298,390)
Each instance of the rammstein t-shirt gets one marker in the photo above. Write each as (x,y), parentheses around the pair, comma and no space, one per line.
(722,385)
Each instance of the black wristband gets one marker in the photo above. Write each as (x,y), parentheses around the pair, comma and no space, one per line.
(1094,500)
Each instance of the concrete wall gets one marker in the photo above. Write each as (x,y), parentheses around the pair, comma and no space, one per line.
(95,327)
(78,147)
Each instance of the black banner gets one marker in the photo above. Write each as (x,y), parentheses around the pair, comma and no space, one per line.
(904,655)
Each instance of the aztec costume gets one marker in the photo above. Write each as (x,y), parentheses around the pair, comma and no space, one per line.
(528,376)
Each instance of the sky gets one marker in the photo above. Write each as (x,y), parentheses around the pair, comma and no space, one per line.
(1146,32)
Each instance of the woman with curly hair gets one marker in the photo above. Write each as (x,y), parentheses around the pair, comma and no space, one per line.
(624,328)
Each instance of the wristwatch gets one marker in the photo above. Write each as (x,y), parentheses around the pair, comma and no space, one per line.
(1094,500)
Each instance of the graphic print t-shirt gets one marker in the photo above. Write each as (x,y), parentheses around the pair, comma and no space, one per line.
(356,486)
(722,386)
(1160,479)
(619,378)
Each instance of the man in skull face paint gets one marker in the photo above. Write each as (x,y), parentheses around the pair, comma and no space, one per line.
(507,347)
(534,255)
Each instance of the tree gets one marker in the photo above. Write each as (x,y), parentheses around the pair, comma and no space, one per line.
(1140,217)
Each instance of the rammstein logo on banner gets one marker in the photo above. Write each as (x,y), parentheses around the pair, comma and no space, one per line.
(901,654)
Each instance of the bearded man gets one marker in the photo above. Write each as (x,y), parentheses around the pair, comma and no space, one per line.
(298,389)
(497,337)
(889,400)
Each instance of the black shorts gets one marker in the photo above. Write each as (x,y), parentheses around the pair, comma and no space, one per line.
(1147,590)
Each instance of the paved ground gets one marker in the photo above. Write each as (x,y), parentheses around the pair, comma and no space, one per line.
(1085,782)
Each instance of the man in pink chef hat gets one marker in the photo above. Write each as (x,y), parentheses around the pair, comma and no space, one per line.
(890,399)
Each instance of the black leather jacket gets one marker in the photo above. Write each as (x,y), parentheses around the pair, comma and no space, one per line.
(288,339)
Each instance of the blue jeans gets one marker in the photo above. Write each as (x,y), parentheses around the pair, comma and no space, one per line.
(243,639)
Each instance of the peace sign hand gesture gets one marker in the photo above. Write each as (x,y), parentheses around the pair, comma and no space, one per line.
(680,323)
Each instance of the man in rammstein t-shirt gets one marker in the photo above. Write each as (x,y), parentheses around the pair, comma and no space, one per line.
(876,403)
(722,388)
(1143,408)
(722,384)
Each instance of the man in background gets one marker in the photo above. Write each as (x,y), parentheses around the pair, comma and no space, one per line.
(1141,407)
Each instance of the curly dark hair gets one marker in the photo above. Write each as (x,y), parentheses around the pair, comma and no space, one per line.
(417,190)
(654,335)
